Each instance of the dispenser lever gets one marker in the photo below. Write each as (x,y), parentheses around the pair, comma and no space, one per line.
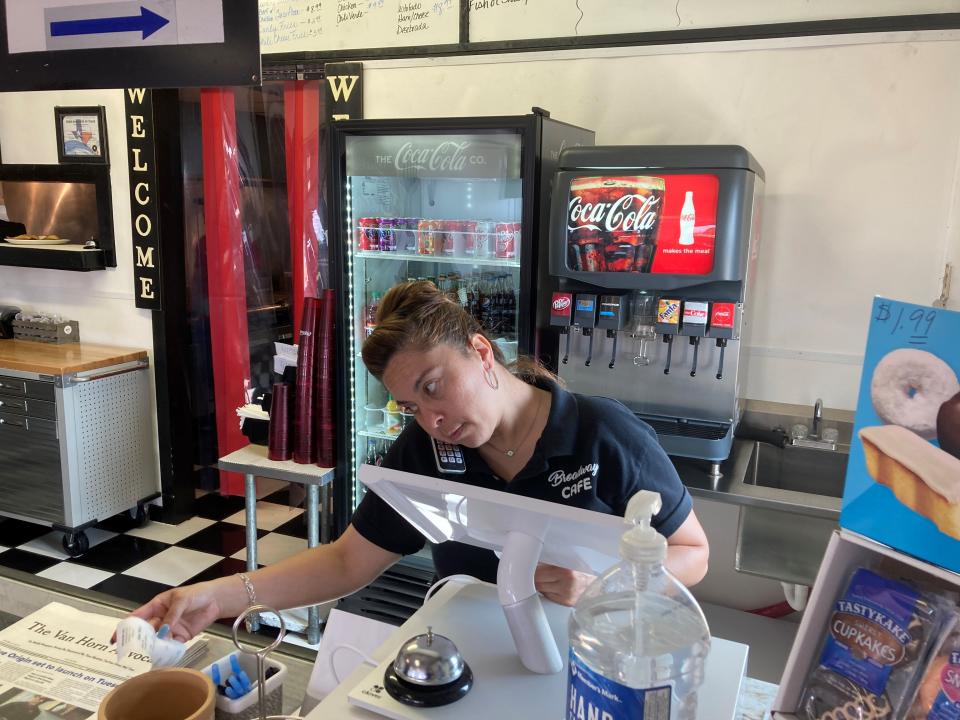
(723,317)
(585,316)
(722,344)
(612,310)
(561,315)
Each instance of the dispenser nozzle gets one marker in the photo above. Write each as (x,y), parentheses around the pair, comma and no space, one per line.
(641,507)
(613,356)
(642,543)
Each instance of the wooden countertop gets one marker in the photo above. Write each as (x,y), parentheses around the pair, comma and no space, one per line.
(52,359)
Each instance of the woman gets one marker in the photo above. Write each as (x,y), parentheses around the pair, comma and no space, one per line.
(520,433)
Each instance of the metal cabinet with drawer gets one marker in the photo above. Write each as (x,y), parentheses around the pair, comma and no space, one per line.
(76,447)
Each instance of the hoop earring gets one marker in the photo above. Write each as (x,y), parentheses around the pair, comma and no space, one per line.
(492,380)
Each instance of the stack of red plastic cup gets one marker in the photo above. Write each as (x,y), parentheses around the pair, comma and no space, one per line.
(324,419)
(279,445)
(304,446)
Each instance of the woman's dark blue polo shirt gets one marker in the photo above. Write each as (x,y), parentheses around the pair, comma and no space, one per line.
(594,454)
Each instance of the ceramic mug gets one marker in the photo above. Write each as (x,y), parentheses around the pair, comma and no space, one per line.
(167,694)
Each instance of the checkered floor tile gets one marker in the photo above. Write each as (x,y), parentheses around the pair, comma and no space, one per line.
(137,563)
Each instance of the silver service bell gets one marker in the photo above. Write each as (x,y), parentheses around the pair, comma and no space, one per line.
(428,671)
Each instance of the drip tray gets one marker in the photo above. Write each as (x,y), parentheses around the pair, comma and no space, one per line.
(692,438)
(688,428)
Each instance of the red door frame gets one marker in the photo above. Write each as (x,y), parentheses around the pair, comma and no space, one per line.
(226,280)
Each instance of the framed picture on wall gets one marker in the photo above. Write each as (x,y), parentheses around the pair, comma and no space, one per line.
(81,134)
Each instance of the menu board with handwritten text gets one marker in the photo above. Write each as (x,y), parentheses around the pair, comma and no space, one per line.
(497,20)
(323,25)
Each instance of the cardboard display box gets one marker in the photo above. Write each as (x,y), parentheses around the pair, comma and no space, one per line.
(846,552)
(902,485)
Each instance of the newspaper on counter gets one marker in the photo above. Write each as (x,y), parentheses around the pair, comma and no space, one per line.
(60,661)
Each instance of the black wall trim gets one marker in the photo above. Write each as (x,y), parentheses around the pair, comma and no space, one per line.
(891,23)
(175,425)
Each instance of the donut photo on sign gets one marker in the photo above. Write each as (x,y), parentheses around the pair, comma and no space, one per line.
(918,395)
(903,476)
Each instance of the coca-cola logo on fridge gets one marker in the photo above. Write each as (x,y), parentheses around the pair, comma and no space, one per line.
(460,155)
(446,156)
(642,223)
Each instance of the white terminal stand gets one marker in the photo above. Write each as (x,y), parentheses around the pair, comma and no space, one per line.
(517,664)
(523,530)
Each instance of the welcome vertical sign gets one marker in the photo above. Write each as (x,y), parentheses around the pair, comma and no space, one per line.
(141,159)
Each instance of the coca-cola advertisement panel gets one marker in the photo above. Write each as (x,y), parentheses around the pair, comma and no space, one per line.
(488,155)
(657,224)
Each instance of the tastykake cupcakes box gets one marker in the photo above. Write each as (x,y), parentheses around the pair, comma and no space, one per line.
(903,477)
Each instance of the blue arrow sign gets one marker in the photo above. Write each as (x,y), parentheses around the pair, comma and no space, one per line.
(147,22)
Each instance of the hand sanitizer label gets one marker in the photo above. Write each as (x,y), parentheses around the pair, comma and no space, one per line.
(590,696)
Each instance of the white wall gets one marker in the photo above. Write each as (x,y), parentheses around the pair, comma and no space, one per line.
(101,301)
(859,143)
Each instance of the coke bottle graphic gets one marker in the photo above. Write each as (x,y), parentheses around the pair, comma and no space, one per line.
(688,218)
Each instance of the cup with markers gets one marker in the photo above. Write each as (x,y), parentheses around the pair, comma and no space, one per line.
(235,677)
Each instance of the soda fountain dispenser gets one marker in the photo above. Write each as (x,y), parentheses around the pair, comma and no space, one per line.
(660,242)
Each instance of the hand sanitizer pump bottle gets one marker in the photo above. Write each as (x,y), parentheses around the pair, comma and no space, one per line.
(638,639)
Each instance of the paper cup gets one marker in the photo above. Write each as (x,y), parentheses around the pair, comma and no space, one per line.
(168,694)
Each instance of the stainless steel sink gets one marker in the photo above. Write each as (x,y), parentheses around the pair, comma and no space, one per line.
(780,542)
(789,497)
(797,469)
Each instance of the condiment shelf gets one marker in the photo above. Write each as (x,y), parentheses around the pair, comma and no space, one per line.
(59,257)
(449,259)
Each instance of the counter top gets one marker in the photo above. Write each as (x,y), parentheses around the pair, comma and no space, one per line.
(63,359)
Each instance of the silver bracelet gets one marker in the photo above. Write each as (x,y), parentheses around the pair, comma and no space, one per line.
(248,586)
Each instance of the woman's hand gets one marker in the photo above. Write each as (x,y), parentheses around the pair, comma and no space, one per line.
(559,584)
(187,610)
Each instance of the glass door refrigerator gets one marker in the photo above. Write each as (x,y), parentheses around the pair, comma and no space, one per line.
(461,202)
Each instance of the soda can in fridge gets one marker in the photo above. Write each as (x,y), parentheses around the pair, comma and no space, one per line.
(468,229)
(506,240)
(368,239)
(427,237)
(448,235)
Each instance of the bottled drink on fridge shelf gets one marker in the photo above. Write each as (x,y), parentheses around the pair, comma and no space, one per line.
(370,314)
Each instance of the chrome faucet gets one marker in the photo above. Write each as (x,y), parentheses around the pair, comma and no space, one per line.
(817,417)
